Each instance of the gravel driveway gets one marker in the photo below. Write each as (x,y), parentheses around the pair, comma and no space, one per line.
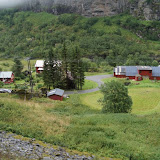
(96,79)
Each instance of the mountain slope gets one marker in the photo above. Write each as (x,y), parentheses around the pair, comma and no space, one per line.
(118,39)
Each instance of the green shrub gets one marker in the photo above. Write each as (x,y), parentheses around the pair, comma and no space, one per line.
(1,84)
(107,21)
(116,99)
(5,64)
(67,19)
(39,86)
(92,21)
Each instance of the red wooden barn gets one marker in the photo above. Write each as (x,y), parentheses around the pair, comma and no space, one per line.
(56,94)
(7,77)
(137,73)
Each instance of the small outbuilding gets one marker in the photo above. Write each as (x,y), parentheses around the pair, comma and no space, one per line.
(39,66)
(7,77)
(56,94)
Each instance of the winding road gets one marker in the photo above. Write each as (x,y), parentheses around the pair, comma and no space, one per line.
(96,79)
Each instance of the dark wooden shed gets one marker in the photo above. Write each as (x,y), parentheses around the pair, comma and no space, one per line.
(56,94)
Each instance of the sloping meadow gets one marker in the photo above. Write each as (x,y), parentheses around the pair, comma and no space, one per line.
(78,127)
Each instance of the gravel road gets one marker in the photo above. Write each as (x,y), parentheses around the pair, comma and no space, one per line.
(96,79)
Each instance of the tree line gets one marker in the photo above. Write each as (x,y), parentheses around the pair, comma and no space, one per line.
(28,34)
(64,70)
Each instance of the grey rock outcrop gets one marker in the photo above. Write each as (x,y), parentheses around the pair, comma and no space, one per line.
(149,10)
(32,150)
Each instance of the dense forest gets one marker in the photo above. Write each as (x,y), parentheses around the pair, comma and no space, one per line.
(104,42)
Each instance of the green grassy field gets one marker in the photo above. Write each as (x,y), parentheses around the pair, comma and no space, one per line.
(89,85)
(145,96)
(84,128)
(145,100)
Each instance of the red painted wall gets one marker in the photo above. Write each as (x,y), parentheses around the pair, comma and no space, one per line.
(145,73)
(37,71)
(123,76)
(120,76)
(56,97)
(131,77)
(138,78)
(153,78)
(8,80)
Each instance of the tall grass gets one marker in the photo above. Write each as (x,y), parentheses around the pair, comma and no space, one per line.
(79,127)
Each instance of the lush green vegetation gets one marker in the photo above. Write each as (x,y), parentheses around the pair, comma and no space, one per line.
(78,122)
(115,98)
(145,96)
(38,82)
(80,127)
(104,41)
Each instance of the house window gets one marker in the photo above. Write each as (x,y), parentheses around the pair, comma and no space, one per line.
(139,71)
(150,71)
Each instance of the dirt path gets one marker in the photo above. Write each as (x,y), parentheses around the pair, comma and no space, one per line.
(96,79)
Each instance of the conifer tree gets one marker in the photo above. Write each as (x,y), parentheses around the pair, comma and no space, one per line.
(76,67)
(64,55)
(46,77)
(17,67)
(52,74)
(81,74)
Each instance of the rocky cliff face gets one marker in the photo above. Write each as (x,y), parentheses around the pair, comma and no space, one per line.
(148,9)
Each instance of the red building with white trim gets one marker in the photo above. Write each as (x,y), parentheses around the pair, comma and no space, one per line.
(39,66)
(7,77)
(137,73)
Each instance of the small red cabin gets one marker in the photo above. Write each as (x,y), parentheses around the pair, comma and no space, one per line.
(56,94)
(7,77)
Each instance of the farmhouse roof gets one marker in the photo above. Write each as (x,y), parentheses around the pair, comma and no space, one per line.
(6,74)
(144,68)
(131,70)
(156,71)
(39,63)
(56,91)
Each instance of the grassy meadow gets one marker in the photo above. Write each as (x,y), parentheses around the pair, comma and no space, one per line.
(145,100)
(78,123)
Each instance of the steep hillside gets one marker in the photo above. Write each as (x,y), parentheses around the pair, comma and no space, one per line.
(115,40)
(147,9)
